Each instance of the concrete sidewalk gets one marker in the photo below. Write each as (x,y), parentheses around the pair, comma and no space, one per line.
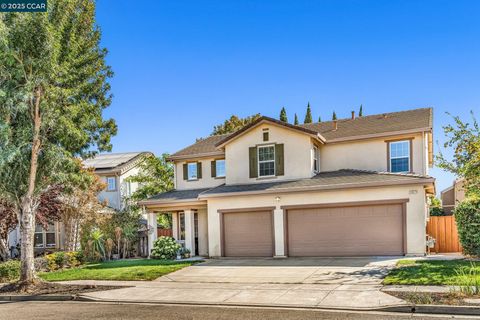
(341,296)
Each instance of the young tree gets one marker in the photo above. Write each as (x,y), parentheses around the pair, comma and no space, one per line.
(334,116)
(233,124)
(308,115)
(283,115)
(295,122)
(155,176)
(53,90)
(360,112)
(464,138)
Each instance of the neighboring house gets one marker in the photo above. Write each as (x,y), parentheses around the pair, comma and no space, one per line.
(350,187)
(113,169)
(452,196)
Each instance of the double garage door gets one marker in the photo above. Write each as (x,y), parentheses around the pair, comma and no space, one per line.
(322,231)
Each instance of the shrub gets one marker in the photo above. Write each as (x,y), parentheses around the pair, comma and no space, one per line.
(467,215)
(41,264)
(60,260)
(165,248)
(9,270)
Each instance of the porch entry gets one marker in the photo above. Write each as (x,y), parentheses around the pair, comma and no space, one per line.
(181,231)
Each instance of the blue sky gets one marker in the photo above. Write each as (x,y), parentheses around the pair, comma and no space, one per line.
(183,66)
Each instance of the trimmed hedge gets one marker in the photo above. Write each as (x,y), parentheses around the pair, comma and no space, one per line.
(467,215)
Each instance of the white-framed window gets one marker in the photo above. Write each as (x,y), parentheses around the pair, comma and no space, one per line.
(45,238)
(400,156)
(111,184)
(316,160)
(220,168)
(266,161)
(192,171)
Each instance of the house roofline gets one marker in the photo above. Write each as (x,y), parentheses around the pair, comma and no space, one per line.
(196,156)
(264,119)
(378,135)
(425,181)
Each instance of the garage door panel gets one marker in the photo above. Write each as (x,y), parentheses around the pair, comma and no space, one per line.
(248,234)
(346,231)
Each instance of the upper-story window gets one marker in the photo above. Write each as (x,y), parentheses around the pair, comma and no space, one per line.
(316,160)
(266,161)
(399,156)
(220,168)
(192,171)
(111,184)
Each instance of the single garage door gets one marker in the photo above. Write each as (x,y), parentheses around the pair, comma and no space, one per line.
(346,231)
(248,234)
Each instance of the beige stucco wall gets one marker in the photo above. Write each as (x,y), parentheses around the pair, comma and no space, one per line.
(369,154)
(202,232)
(297,154)
(416,209)
(207,181)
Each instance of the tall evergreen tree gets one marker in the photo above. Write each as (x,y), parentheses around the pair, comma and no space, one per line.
(295,122)
(283,115)
(53,91)
(308,115)
(319,119)
(360,112)
(334,116)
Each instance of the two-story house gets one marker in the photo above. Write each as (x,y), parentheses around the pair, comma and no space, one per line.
(356,186)
(113,169)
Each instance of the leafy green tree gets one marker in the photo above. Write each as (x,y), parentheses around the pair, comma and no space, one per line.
(308,115)
(360,112)
(283,115)
(295,122)
(155,176)
(334,116)
(233,124)
(436,207)
(53,90)
(464,139)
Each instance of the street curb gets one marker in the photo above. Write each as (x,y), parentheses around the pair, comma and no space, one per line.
(423,309)
(38,298)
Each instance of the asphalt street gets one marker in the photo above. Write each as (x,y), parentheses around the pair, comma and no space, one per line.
(100,311)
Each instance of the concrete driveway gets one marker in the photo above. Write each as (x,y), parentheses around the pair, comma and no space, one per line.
(362,270)
(352,283)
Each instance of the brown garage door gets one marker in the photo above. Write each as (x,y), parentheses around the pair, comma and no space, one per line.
(248,234)
(346,231)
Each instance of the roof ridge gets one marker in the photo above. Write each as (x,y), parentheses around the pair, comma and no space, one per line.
(369,116)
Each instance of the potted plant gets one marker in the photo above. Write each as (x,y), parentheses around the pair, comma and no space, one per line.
(186,253)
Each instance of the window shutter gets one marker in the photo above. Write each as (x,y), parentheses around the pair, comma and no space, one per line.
(214,168)
(279,167)
(185,171)
(252,152)
(199,170)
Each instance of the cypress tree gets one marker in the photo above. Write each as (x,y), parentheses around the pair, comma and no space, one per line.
(319,119)
(308,115)
(295,122)
(334,116)
(283,115)
(360,112)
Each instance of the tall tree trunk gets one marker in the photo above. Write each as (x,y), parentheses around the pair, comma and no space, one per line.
(4,249)
(28,207)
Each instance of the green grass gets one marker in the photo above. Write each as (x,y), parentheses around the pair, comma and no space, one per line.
(135,269)
(430,272)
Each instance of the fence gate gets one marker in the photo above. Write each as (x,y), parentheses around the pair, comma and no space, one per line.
(444,230)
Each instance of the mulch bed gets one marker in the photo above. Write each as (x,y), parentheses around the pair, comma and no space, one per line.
(49,288)
(451,298)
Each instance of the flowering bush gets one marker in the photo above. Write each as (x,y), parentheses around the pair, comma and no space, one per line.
(60,260)
(165,248)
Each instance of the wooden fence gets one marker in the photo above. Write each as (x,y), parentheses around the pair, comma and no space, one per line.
(444,230)
(164,232)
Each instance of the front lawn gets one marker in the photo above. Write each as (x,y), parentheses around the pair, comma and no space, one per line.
(431,272)
(135,269)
